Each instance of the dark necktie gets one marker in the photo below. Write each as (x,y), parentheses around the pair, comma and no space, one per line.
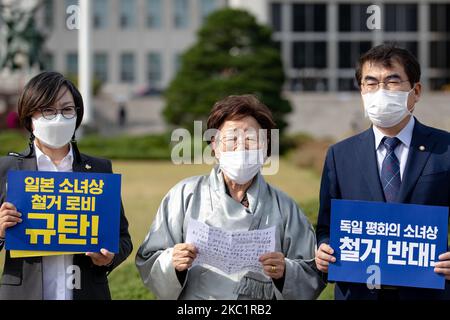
(390,170)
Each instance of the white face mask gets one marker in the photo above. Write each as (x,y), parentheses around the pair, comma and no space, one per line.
(55,133)
(241,166)
(386,108)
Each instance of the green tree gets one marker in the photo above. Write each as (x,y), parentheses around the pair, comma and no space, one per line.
(19,35)
(233,55)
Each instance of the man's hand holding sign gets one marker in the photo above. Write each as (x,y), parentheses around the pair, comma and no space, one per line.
(443,267)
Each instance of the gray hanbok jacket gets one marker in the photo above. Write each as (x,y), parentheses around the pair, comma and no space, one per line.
(205,198)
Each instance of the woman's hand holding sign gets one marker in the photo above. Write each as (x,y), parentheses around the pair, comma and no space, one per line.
(9,217)
(102,258)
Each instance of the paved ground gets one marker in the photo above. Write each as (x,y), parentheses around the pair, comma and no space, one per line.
(339,115)
(143,116)
(319,114)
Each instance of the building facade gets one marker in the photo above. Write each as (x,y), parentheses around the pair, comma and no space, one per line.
(137,43)
(322,40)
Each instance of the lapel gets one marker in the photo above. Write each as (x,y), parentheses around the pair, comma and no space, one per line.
(27,163)
(417,158)
(368,166)
(80,163)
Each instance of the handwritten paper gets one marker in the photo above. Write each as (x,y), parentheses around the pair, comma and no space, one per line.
(230,251)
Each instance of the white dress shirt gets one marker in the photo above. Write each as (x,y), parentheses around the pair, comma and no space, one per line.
(402,150)
(54,268)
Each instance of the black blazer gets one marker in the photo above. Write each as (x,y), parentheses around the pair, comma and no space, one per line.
(22,277)
(351,172)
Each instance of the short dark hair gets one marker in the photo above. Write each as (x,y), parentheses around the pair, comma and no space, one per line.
(42,91)
(238,107)
(386,54)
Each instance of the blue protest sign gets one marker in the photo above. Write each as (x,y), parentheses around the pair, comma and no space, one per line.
(403,240)
(64,211)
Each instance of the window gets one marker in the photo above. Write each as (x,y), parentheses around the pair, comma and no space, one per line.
(347,84)
(411,46)
(72,63)
(100,11)
(154,69)
(349,52)
(401,17)
(127,68)
(69,3)
(49,8)
(177,62)
(154,13)
(48,61)
(278,45)
(309,84)
(309,17)
(353,17)
(439,53)
(181,14)
(206,7)
(101,67)
(127,14)
(439,83)
(276,16)
(440,17)
(309,55)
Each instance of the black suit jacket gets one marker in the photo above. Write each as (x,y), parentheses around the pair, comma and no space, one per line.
(22,277)
(351,172)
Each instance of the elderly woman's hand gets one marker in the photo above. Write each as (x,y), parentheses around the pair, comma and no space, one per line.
(183,256)
(273,264)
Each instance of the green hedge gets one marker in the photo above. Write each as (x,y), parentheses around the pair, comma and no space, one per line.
(156,147)
(147,147)
(12,141)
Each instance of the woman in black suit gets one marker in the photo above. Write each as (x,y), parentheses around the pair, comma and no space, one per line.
(51,109)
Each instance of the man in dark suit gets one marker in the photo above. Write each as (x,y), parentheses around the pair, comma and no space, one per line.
(398,159)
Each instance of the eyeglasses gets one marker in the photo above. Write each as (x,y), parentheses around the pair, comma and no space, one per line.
(372,85)
(232,141)
(50,113)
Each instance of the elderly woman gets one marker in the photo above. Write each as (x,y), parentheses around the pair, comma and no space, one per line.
(233,197)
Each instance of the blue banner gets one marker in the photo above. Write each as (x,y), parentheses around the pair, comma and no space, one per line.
(392,244)
(64,211)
